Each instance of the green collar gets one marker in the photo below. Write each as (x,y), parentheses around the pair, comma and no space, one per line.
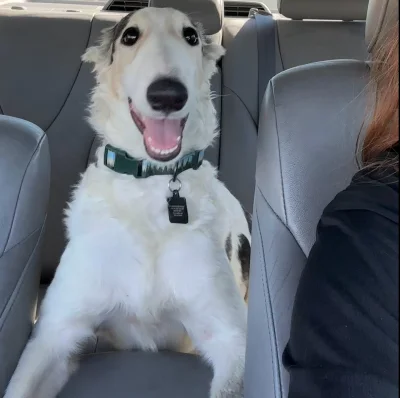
(120,162)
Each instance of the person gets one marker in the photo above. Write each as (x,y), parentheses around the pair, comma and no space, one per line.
(344,333)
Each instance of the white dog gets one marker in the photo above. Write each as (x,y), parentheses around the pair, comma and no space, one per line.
(158,247)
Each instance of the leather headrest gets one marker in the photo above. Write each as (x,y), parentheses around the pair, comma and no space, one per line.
(346,10)
(382,16)
(209,13)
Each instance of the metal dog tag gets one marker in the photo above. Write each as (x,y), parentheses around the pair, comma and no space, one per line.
(177,209)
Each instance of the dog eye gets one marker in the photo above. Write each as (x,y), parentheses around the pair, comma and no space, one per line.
(130,36)
(191,36)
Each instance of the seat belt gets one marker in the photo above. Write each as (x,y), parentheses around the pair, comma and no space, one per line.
(266,39)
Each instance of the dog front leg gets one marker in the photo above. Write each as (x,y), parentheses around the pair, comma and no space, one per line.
(217,325)
(46,363)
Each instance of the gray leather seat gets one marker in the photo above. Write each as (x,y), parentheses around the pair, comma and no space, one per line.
(318,30)
(139,374)
(310,120)
(24,184)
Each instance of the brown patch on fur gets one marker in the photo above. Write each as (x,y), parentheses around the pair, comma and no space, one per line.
(186,346)
(114,77)
(122,56)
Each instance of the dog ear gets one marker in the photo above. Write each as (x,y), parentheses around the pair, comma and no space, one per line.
(101,54)
(211,55)
(213,52)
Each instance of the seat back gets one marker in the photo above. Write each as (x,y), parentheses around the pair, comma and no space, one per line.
(319,30)
(24,183)
(306,146)
(43,80)
(310,123)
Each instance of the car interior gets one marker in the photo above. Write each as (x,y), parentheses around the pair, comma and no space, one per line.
(291,97)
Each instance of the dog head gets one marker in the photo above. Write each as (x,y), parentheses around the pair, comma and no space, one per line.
(152,97)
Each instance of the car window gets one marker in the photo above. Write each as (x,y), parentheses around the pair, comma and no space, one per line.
(271,4)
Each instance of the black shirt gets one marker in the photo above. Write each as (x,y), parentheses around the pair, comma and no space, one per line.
(344,333)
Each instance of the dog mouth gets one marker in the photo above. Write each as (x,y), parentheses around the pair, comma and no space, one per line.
(162,137)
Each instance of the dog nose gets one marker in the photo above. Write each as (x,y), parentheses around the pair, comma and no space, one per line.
(167,95)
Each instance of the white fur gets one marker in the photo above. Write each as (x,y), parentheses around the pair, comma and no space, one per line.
(126,270)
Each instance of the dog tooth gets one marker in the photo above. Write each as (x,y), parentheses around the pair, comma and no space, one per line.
(156,150)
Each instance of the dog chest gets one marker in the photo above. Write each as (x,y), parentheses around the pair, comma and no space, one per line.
(142,204)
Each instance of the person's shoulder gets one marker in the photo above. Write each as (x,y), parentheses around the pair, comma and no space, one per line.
(360,226)
(348,292)
(372,191)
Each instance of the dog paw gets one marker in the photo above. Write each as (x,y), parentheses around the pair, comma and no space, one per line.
(229,394)
(232,391)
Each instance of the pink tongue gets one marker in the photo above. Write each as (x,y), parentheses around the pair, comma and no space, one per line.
(162,134)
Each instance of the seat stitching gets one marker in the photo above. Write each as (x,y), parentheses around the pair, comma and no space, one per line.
(279,152)
(220,115)
(73,83)
(283,223)
(270,315)
(245,106)
(20,242)
(279,45)
(274,341)
(258,69)
(38,145)
(379,26)
(13,298)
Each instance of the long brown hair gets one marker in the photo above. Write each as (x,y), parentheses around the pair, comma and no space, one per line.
(383,131)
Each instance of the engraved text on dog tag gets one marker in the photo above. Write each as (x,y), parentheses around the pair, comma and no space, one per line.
(177,209)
